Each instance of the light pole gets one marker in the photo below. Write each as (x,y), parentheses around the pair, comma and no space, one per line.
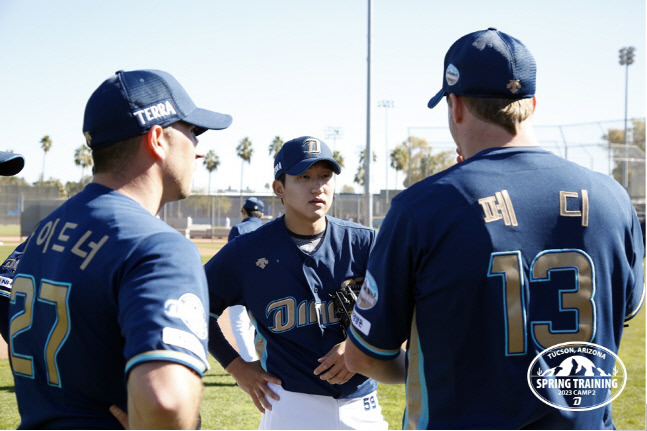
(386,104)
(368,215)
(626,58)
(334,133)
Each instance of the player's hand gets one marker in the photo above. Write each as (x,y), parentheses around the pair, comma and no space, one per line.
(333,368)
(253,379)
(121,416)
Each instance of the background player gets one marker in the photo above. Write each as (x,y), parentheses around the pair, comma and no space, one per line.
(241,327)
(458,263)
(10,164)
(284,273)
(107,306)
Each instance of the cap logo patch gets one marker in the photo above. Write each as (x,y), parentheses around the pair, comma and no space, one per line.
(277,168)
(153,113)
(514,85)
(451,75)
(311,146)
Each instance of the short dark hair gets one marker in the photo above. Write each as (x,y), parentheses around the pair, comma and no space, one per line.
(114,157)
(252,213)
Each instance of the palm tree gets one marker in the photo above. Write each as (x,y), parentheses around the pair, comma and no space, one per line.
(336,155)
(244,150)
(399,159)
(359,175)
(46,145)
(211,162)
(275,146)
(83,158)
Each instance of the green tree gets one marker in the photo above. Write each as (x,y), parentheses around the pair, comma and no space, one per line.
(244,150)
(336,155)
(399,159)
(275,146)
(62,192)
(347,189)
(360,174)
(83,158)
(211,162)
(416,158)
(46,145)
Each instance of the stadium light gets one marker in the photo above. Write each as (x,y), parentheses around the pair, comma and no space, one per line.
(368,211)
(386,104)
(626,58)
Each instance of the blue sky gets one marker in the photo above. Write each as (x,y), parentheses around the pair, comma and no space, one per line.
(298,67)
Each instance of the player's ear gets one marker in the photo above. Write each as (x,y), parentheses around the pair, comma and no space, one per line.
(456,107)
(534,103)
(279,189)
(155,142)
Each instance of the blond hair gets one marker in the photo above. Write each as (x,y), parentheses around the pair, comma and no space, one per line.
(507,113)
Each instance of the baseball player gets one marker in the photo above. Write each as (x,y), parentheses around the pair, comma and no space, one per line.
(108,303)
(241,327)
(285,273)
(484,265)
(10,164)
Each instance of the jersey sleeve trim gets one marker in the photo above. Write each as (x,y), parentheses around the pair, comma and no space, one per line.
(185,359)
(638,307)
(382,354)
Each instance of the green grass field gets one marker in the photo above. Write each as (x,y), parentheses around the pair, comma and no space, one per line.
(225,406)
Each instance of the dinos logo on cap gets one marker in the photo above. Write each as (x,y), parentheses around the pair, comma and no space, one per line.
(452,75)
(311,146)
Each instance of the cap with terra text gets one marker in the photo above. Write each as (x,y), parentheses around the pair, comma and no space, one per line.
(488,63)
(130,103)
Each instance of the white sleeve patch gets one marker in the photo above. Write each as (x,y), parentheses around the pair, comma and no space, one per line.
(184,339)
(359,322)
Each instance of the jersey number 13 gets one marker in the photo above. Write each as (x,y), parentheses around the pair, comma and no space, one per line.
(575,299)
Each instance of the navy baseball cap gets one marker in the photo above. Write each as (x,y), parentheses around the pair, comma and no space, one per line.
(254,204)
(488,63)
(130,103)
(11,163)
(296,156)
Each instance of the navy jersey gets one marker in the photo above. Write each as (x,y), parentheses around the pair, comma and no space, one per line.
(287,294)
(102,286)
(245,226)
(483,266)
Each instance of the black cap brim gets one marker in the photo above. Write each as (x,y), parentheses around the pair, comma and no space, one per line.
(436,99)
(207,120)
(10,163)
(304,165)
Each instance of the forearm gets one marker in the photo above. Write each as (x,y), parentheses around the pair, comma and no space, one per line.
(389,372)
(219,347)
(163,395)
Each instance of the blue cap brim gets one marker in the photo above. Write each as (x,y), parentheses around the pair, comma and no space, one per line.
(207,120)
(302,166)
(10,163)
(437,98)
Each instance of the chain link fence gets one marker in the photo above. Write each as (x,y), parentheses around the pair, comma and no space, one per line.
(212,216)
